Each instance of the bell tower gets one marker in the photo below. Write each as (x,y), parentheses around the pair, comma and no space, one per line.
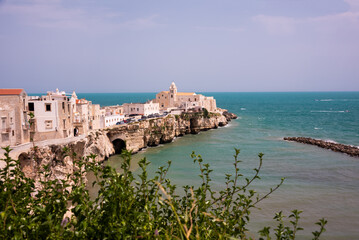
(173,95)
(173,88)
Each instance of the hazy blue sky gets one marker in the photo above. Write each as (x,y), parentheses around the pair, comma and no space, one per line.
(202,45)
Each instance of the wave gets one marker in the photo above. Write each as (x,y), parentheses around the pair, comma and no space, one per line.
(329,140)
(316,128)
(243,109)
(339,100)
(325,111)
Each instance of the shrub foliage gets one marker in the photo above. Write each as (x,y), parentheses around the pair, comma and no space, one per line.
(131,207)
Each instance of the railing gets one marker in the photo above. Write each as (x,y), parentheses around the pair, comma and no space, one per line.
(79,121)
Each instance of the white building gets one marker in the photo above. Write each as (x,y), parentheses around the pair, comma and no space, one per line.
(112,120)
(143,109)
(52,116)
(110,115)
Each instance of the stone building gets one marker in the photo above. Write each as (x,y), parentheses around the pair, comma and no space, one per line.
(86,116)
(184,100)
(13,116)
(95,116)
(81,119)
(52,116)
(143,109)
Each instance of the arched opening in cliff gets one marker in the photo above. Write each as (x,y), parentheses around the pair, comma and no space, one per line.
(194,126)
(119,145)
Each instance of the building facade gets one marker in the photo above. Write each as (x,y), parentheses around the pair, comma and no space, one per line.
(110,115)
(52,116)
(14,125)
(184,100)
(144,109)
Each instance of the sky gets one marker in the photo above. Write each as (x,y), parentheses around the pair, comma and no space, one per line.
(201,45)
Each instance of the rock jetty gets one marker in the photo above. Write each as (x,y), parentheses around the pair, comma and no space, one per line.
(336,147)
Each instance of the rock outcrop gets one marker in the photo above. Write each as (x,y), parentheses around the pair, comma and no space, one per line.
(229,116)
(336,147)
(106,142)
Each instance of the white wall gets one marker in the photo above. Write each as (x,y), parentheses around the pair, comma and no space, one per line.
(151,108)
(141,108)
(112,120)
(41,115)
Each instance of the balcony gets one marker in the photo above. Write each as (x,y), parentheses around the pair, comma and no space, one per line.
(5,130)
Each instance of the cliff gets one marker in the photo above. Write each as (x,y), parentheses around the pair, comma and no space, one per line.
(106,142)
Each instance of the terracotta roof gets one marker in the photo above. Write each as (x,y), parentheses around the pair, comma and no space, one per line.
(11,91)
(185,93)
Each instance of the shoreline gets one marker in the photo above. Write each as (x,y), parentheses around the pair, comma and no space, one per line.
(110,141)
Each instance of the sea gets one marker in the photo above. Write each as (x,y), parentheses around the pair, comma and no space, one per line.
(320,182)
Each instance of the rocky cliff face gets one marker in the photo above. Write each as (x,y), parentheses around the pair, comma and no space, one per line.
(106,142)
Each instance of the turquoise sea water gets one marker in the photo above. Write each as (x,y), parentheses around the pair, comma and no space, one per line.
(320,182)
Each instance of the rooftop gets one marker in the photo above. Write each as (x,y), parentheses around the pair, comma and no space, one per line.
(11,91)
(186,93)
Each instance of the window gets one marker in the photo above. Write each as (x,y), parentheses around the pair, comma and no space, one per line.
(138,109)
(68,107)
(171,96)
(48,107)
(64,122)
(3,122)
(48,124)
(31,106)
(13,133)
(63,106)
(11,120)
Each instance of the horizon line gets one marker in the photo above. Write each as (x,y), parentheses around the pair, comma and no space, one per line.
(320,91)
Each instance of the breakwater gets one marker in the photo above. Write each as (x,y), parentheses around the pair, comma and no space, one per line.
(108,141)
(336,147)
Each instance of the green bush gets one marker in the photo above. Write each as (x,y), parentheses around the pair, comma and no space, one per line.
(205,113)
(130,207)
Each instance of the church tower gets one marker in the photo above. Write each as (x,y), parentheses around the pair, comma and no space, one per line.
(73,101)
(173,94)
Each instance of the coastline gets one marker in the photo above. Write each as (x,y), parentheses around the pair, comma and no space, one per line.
(109,141)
